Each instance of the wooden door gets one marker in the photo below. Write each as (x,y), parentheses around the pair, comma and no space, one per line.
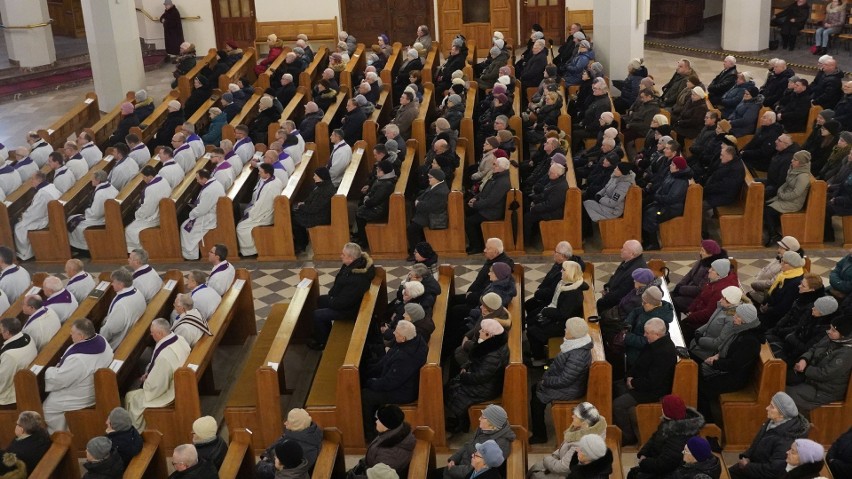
(234,20)
(550,14)
(366,19)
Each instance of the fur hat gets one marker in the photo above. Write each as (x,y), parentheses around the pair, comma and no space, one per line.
(711,246)
(414,311)
(205,428)
(392,146)
(504,80)
(498,88)
(501,270)
(825,305)
(298,419)
(725,126)
(119,419)
(492,301)
(635,64)
(289,453)
(559,159)
(793,259)
(576,327)
(721,266)
(785,405)
(381,471)
(674,407)
(732,294)
(491,326)
(99,447)
(495,415)
(504,136)
(495,51)
(127,108)
(438,174)
(747,312)
(579,36)
(699,448)
(653,296)
(391,416)
(642,275)
(593,446)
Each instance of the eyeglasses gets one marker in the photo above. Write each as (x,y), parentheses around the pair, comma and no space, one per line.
(476,454)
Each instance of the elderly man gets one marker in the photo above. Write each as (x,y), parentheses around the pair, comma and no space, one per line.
(353,122)
(776,83)
(793,108)
(88,149)
(25,166)
(405,116)
(672,89)
(138,150)
(394,378)
(222,274)
(39,148)
(71,383)
(193,140)
(80,283)
(724,81)
(344,297)
(35,216)
(148,213)
(158,389)
(430,210)
(723,186)
(297,149)
(205,298)
(285,92)
(549,204)
(543,295)
(94,215)
(126,308)
(124,168)
(590,124)
(145,278)
(668,201)
(183,154)
(259,212)
(42,323)
(14,279)
(189,325)
(533,71)
(59,299)
(188,465)
(488,205)
(821,375)
(494,252)
(17,353)
(647,381)
(244,147)
(621,281)
(202,218)
(227,147)
(74,160)
(757,152)
(826,90)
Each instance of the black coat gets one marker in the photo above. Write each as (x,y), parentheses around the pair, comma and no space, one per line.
(377,199)
(597,469)
(397,374)
(737,365)
(620,283)
(128,443)
(775,86)
(202,470)
(123,128)
(839,457)
(763,142)
(196,99)
(431,201)
(285,93)
(232,109)
(568,305)
(548,284)
(712,467)
(776,175)
(810,470)
(798,314)
(780,301)
(826,89)
(797,13)
(721,84)
(490,473)
(653,371)
(317,207)
(664,450)
(110,468)
(795,111)
(30,449)
(350,284)
(164,135)
(445,72)
(550,203)
(213,451)
(843,112)
(491,200)
(475,289)
(724,185)
(308,125)
(534,70)
(599,104)
(670,197)
(172,30)
(482,376)
(768,451)
(353,125)
(454,116)
(259,127)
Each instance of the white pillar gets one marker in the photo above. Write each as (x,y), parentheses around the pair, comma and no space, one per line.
(29,47)
(114,49)
(619,35)
(745,25)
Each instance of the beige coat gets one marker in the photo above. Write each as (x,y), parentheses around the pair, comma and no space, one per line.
(158,390)
(792,194)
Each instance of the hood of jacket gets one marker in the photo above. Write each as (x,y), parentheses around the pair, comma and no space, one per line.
(490,345)
(504,432)
(362,264)
(796,427)
(684,174)
(688,426)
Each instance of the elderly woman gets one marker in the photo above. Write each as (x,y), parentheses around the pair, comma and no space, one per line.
(267,114)
(566,379)
(486,461)
(719,276)
(765,457)
(643,278)
(567,302)
(660,455)
(709,337)
(185,61)
(804,460)
(480,378)
(698,459)
(821,375)
(490,307)
(811,290)
(809,332)
(783,291)
(732,368)
(652,306)
(629,87)
(688,288)
(298,427)
(276,46)
(609,201)
(586,421)
(394,445)
(790,197)
(31,439)
(592,461)
(411,63)
(493,425)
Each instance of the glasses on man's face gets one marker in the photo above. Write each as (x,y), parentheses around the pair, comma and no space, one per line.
(476,454)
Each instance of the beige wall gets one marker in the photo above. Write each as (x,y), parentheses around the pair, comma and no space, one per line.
(199,32)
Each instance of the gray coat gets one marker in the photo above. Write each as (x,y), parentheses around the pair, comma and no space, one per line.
(612,198)
(567,377)
(710,336)
(792,194)
(503,437)
(829,366)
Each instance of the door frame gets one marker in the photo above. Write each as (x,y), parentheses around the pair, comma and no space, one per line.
(214,5)
(433,28)
(525,24)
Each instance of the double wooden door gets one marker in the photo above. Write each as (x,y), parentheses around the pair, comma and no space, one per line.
(234,20)
(550,14)
(399,19)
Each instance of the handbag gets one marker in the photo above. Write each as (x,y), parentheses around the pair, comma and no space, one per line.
(438,221)
(616,344)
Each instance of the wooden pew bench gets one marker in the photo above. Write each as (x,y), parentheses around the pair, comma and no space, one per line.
(201,117)
(320,62)
(614,232)
(423,458)
(11,210)
(334,399)
(388,240)
(263,80)
(225,231)
(15,310)
(388,73)
(244,67)
(155,120)
(239,461)
(244,117)
(150,463)
(467,129)
(185,81)
(232,323)
(275,242)
(430,65)
(331,462)
(102,129)
(569,228)
(381,116)
(613,442)
(357,64)
(82,115)
(807,224)
(59,460)
(425,116)
(682,233)
(515,122)
(450,242)
(329,122)
(516,463)
(295,110)
(254,403)
(741,224)
(515,398)
(320,30)
(326,240)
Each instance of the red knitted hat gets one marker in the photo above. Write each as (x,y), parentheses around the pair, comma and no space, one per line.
(674,407)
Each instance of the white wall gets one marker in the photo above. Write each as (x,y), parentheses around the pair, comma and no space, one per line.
(579,4)
(199,32)
(712,8)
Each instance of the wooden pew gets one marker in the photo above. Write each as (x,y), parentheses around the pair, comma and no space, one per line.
(615,232)
(239,461)
(513,239)
(569,228)
(102,129)
(294,110)
(225,231)
(13,207)
(743,411)
(467,129)
(262,82)
(808,223)
(331,461)
(329,122)
(357,63)
(802,137)
(831,420)
(319,30)
(381,116)
(155,119)
(254,403)
(232,323)
(515,122)
(516,463)
(150,463)
(185,81)
(326,240)
(163,242)
(388,73)
(741,224)
(564,121)
(682,233)
(423,457)
(275,242)
(244,67)
(201,117)
(335,396)
(428,410)
(450,242)
(59,461)
(83,114)
(244,117)
(425,117)
(388,240)
(429,65)
(314,70)
(515,398)
(51,245)
(613,442)
(15,309)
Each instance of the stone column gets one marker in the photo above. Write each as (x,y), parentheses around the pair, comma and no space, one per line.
(28,47)
(619,34)
(114,49)
(745,25)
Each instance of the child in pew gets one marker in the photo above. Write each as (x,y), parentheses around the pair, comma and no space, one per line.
(300,428)
(102,461)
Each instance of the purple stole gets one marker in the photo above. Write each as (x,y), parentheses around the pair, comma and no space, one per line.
(190,223)
(39,313)
(197,288)
(138,147)
(63,297)
(230,154)
(119,297)
(283,156)
(143,270)
(90,145)
(279,166)
(242,142)
(103,186)
(94,345)
(185,146)
(218,269)
(224,165)
(13,269)
(78,156)
(193,137)
(331,156)
(26,161)
(77,279)
(7,169)
(42,185)
(156,179)
(59,172)
(166,343)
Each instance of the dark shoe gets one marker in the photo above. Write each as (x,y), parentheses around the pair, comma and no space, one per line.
(537,439)
(652,247)
(316,345)
(410,258)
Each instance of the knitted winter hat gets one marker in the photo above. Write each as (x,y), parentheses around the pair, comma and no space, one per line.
(642,275)
(593,446)
(747,312)
(826,305)
(298,419)
(99,447)
(732,294)
(674,407)
(576,327)
(501,270)
(289,453)
(391,416)
(721,266)
(785,405)
(414,311)
(699,448)
(119,419)
(653,296)
(495,415)
(711,247)
(492,301)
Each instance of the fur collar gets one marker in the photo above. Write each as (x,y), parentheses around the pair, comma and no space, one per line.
(489,346)
(394,436)
(574,436)
(688,426)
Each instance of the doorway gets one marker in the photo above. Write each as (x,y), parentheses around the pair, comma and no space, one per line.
(234,20)
(550,14)
(366,19)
